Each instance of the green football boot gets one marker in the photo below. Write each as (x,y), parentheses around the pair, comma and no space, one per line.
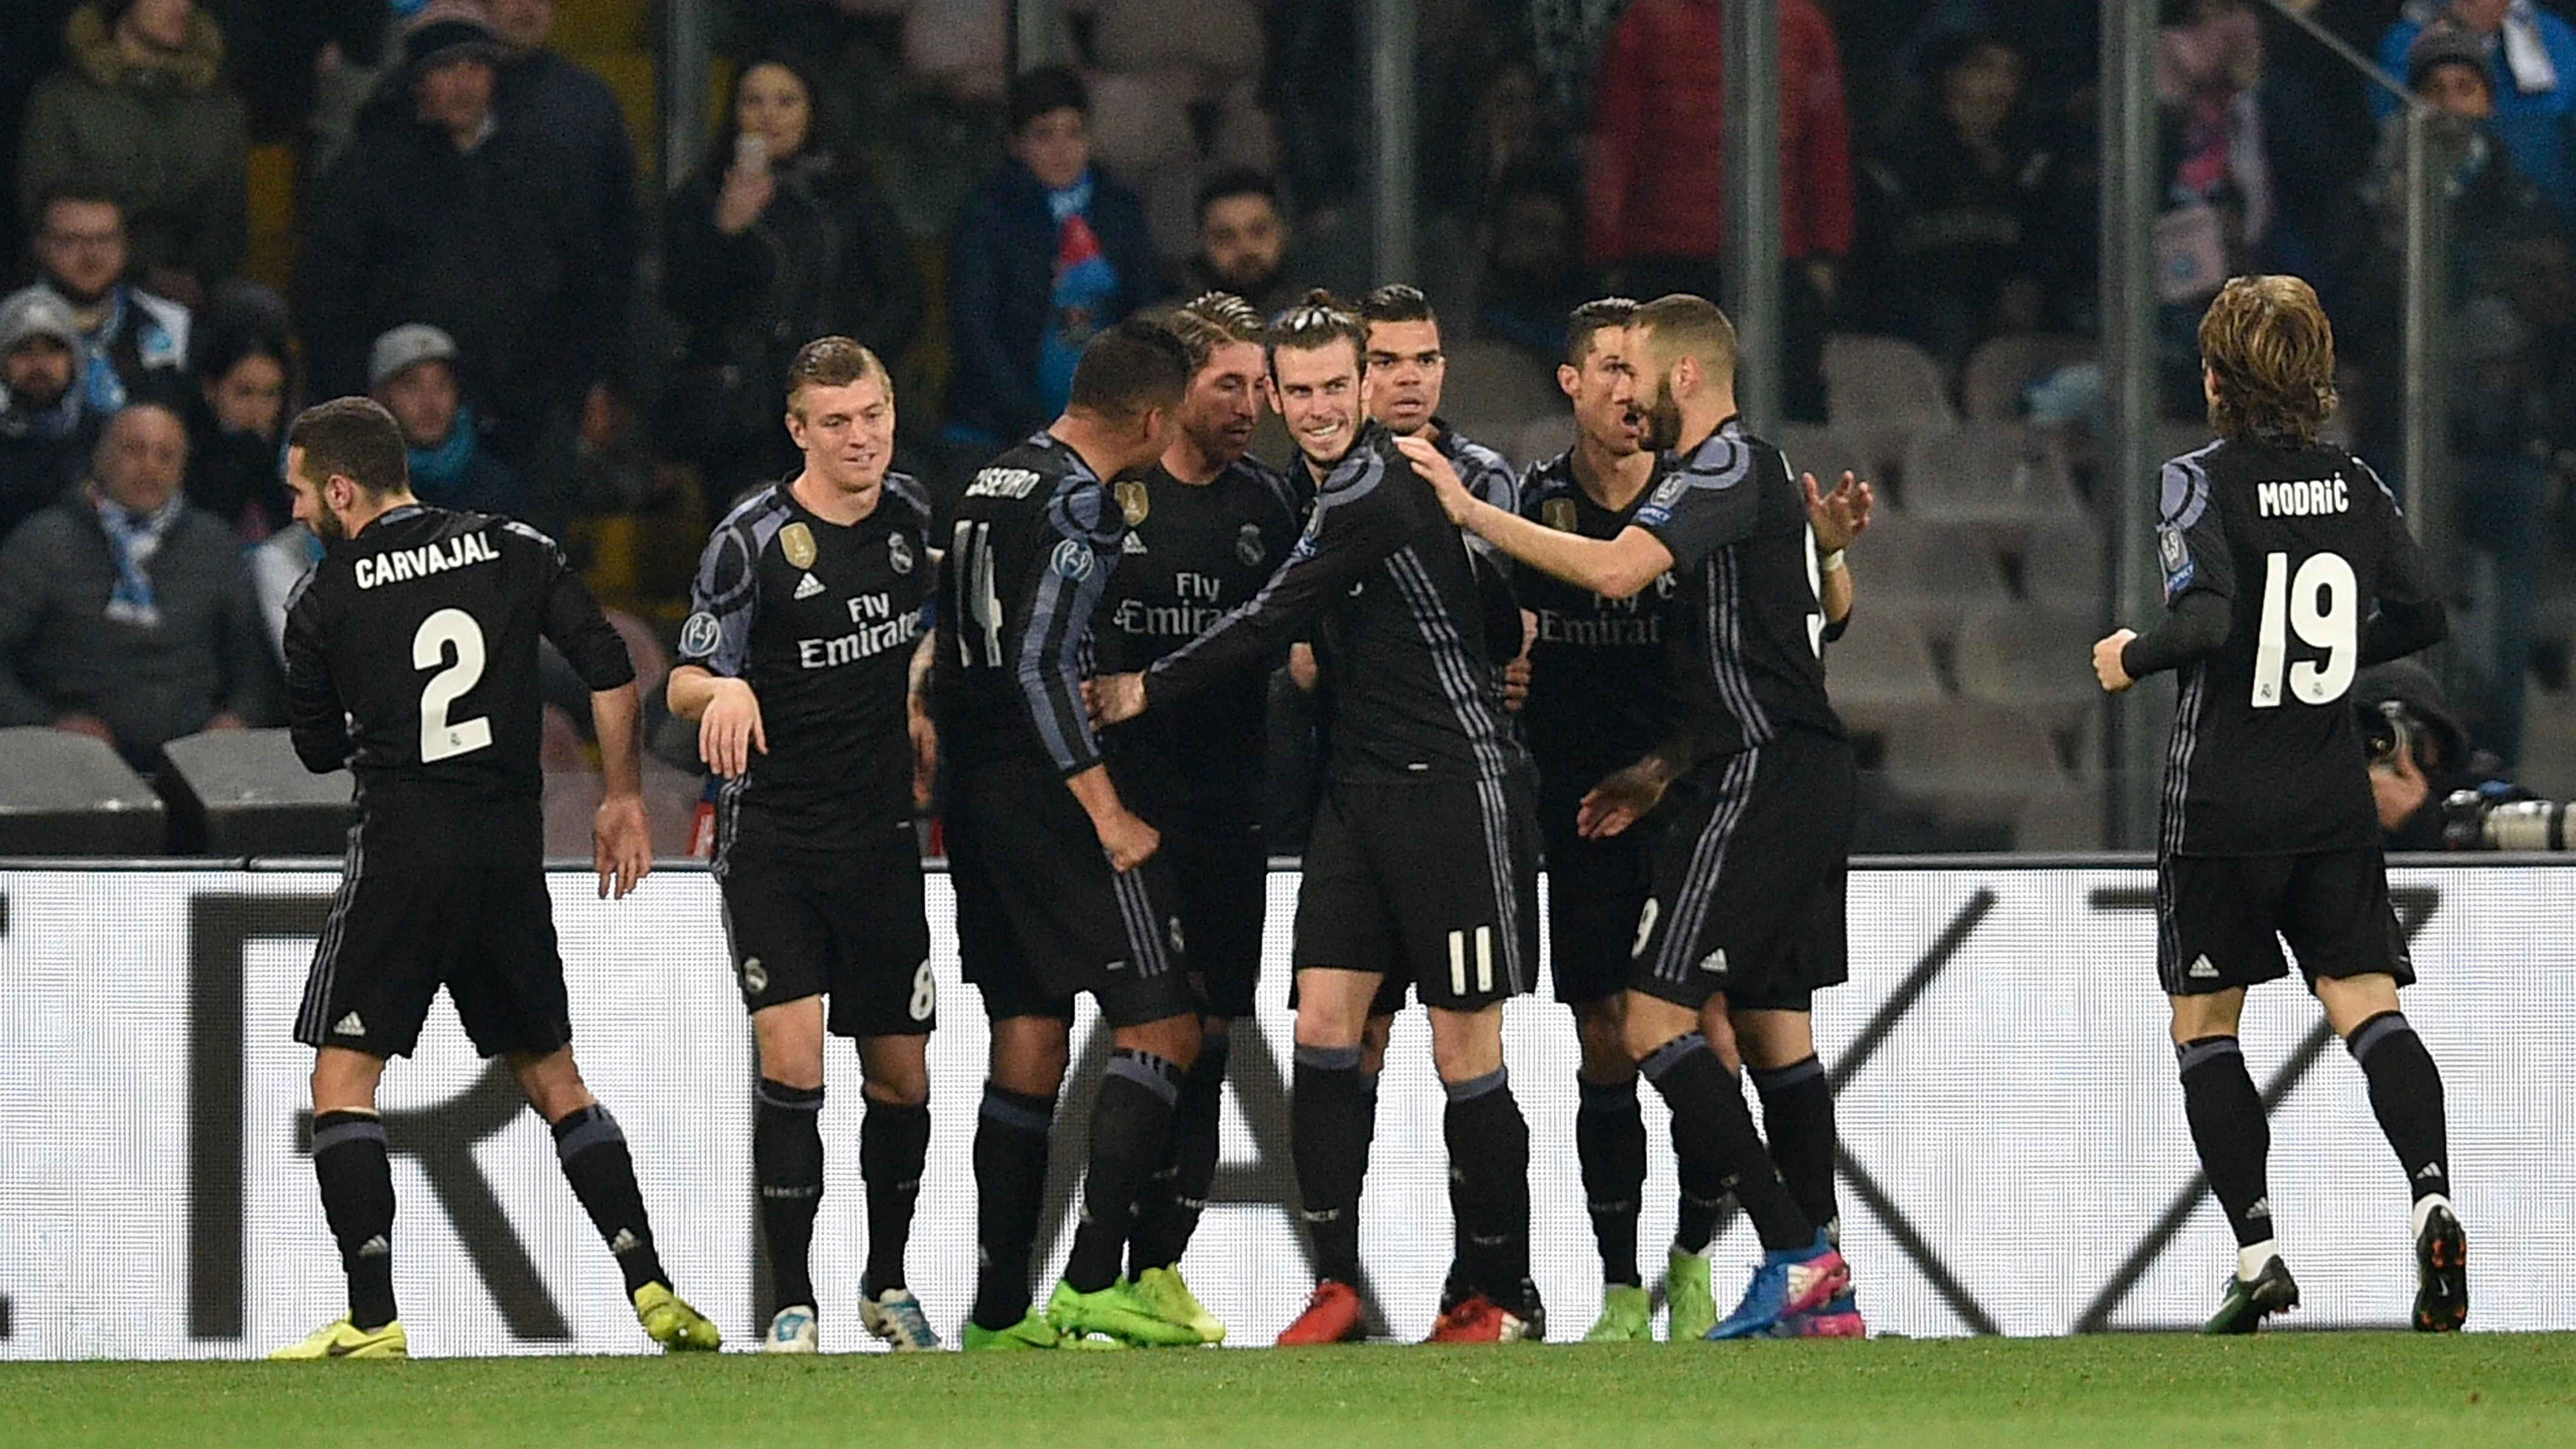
(672,1323)
(1167,1297)
(1114,1313)
(340,1339)
(2251,1300)
(1627,1316)
(1692,1308)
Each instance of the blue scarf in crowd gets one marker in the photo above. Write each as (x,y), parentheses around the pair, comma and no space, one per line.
(1085,286)
(438,474)
(132,540)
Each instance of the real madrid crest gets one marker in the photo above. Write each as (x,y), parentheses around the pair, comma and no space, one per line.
(1249,546)
(1557,513)
(898,554)
(1132,500)
(797,542)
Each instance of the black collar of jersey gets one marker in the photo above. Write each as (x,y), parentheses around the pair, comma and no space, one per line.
(785,488)
(1559,470)
(1730,428)
(1047,442)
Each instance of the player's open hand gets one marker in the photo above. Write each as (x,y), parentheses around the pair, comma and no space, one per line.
(1129,841)
(2107,667)
(1114,699)
(1620,800)
(1434,469)
(1838,517)
(621,845)
(731,729)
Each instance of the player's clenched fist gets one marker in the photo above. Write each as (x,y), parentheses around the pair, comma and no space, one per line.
(2106,660)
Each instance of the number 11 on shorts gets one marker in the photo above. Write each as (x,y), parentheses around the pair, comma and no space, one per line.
(1484,936)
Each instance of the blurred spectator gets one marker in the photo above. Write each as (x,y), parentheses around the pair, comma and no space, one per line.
(449,214)
(125,614)
(1243,243)
(1049,252)
(244,368)
(780,238)
(412,371)
(136,342)
(542,94)
(1655,192)
(2217,179)
(46,426)
(2502,407)
(1532,273)
(143,112)
(2531,64)
(1954,208)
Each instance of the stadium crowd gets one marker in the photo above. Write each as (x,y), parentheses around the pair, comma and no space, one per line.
(225,209)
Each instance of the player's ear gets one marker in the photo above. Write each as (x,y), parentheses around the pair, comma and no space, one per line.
(795,428)
(1568,381)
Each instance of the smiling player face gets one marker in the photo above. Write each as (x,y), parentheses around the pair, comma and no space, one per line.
(847,434)
(1321,393)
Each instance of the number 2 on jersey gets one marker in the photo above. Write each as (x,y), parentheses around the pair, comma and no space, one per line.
(440,737)
(2322,605)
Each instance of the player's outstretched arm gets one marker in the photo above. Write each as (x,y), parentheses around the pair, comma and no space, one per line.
(621,841)
(1616,568)
(728,715)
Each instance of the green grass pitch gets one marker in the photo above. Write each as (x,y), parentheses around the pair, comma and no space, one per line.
(2345,1390)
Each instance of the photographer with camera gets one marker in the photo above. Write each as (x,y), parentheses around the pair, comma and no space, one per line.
(2434,789)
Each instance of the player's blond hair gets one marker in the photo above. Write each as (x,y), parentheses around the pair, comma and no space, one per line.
(833,362)
(2268,343)
(1238,319)
(1679,325)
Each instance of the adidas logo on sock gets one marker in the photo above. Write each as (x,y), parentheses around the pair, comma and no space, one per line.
(809,587)
(2262,1208)
(349,1026)
(375,1247)
(2201,970)
(625,1241)
(2431,1171)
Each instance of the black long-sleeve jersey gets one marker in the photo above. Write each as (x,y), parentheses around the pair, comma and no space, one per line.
(1747,629)
(2311,552)
(1408,625)
(1031,549)
(822,621)
(1192,553)
(1601,691)
(411,656)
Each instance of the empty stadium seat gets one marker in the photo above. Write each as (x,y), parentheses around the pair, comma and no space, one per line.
(1990,386)
(2071,818)
(2002,472)
(1871,382)
(1828,452)
(1936,570)
(2036,659)
(1976,761)
(1882,667)
(2065,565)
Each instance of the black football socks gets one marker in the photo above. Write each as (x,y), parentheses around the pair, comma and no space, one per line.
(357,1179)
(1713,1138)
(592,1149)
(1178,1194)
(1010,1193)
(1131,1129)
(1489,1185)
(2233,1140)
(894,1144)
(1798,1121)
(1610,1144)
(1330,1117)
(2406,1096)
(787,1163)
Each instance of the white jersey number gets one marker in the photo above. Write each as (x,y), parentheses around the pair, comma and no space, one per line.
(440,737)
(970,551)
(2322,605)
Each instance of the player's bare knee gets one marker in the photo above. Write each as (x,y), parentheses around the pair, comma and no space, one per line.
(1650,1022)
(1030,1054)
(2351,1000)
(1466,1045)
(2215,1014)
(1773,1039)
(1601,1035)
(895,1069)
(1332,1008)
(552,1082)
(1174,1038)
(345,1080)
(789,1037)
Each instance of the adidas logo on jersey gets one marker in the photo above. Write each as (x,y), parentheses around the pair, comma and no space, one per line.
(808,587)
(2201,970)
(349,1026)
(1134,545)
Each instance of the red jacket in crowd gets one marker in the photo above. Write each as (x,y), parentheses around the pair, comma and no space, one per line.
(1656,180)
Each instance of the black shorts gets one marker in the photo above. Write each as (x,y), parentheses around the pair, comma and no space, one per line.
(851,927)
(429,903)
(1596,894)
(1224,895)
(1749,877)
(2220,920)
(1041,918)
(1433,885)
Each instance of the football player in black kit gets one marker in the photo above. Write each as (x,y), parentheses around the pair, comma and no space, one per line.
(1406,371)
(1060,888)
(1422,865)
(411,654)
(2287,567)
(1207,526)
(800,661)
(1745,916)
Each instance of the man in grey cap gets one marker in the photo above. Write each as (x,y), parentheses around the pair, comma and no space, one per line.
(46,428)
(412,371)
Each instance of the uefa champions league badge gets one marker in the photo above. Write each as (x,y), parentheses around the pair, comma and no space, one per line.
(1133,500)
(699,635)
(797,542)
(1071,560)
(1249,545)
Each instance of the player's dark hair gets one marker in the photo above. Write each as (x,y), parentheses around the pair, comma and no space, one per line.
(1131,368)
(1396,302)
(356,438)
(833,362)
(1233,182)
(1047,88)
(1686,326)
(2269,344)
(1313,325)
(1238,319)
(1583,322)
